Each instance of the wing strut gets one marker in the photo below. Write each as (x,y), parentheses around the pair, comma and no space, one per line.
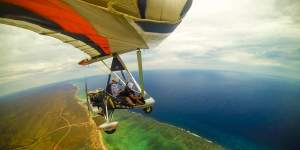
(140,66)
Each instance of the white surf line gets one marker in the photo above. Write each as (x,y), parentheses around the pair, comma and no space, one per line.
(93,124)
(182,129)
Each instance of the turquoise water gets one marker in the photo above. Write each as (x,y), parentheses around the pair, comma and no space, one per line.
(240,111)
(237,110)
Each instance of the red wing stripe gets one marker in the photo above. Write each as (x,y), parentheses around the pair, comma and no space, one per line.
(64,15)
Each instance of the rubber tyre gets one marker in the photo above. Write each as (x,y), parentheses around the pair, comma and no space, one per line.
(110,132)
(148,110)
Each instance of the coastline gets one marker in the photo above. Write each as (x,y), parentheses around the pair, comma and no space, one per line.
(137,131)
(173,126)
(123,132)
(81,102)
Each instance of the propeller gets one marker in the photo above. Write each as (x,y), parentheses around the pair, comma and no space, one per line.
(86,94)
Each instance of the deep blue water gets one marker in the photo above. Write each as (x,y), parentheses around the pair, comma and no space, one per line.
(240,111)
(237,110)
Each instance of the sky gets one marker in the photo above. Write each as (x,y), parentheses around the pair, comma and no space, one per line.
(257,36)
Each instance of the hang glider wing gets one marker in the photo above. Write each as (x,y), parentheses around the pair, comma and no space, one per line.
(99,28)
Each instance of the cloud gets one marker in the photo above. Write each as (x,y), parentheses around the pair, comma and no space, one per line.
(29,59)
(247,58)
(233,35)
(290,8)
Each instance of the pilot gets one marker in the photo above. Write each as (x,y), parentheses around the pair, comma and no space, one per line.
(114,87)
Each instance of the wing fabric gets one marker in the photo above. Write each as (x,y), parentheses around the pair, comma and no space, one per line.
(99,28)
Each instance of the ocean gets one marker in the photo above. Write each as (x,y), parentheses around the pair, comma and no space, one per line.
(240,111)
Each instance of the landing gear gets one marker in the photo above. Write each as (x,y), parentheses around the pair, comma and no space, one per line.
(109,126)
(110,132)
(148,110)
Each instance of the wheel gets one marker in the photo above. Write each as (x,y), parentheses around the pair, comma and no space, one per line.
(110,132)
(148,110)
(109,127)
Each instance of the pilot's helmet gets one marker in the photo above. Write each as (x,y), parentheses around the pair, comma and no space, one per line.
(115,80)
(130,85)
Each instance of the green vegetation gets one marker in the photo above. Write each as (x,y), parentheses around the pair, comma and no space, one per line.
(50,118)
(137,132)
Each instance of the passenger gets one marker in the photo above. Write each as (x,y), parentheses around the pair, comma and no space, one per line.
(129,95)
(125,95)
(136,99)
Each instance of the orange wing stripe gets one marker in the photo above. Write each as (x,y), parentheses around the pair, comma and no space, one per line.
(64,15)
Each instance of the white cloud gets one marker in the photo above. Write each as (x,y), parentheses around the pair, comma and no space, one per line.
(29,59)
(246,58)
(226,33)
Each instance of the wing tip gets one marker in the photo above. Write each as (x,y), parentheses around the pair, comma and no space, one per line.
(84,62)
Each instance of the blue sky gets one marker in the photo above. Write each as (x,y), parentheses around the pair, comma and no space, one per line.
(258,36)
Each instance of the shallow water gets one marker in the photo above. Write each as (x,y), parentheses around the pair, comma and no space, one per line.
(237,110)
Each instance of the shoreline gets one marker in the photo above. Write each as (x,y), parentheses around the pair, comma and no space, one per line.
(91,121)
(81,101)
(170,125)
